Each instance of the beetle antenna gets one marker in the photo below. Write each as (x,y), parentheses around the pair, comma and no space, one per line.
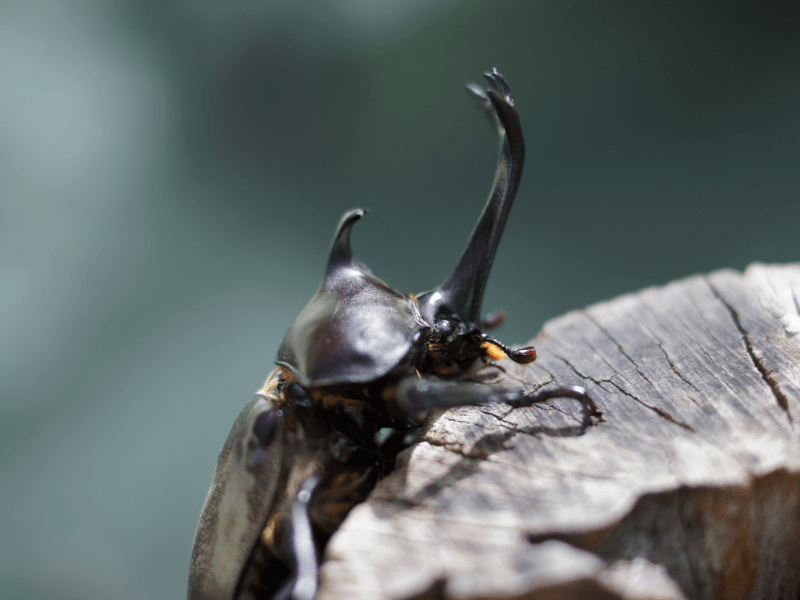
(462,293)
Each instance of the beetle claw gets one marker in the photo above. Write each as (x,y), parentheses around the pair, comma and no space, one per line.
(591,413)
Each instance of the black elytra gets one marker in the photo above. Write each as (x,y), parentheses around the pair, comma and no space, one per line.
(359,357)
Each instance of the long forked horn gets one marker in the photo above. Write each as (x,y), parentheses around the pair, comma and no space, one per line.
(462,293)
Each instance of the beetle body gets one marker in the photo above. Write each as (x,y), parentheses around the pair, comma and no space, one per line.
(360,359)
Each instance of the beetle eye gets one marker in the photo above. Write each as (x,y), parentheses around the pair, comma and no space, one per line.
(266,425)
(446,329)
(445,326)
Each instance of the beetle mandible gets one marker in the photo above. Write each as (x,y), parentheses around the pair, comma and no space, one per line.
(361,359)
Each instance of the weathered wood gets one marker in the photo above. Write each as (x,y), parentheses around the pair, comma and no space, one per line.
(689,488)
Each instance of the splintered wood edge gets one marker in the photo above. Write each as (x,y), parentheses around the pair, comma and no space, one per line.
(689,488)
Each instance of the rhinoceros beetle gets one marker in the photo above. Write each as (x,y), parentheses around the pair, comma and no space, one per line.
(361,360)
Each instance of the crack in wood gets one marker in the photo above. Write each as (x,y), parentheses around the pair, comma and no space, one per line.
(673,366)
(454,448)
(620,348)
(502,420)
(766,374)
(578,373)
(688,330)
(659,411)
(598,382)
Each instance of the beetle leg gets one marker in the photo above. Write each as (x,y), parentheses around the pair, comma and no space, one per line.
(304,584)
(495,319)
(576,392)
(418,396)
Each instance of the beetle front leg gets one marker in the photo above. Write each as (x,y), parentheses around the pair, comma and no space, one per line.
(418,396)
(304,584)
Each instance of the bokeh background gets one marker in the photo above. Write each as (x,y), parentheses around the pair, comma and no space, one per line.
(171,174)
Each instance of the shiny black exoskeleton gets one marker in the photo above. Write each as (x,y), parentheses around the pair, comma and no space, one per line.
(361,365)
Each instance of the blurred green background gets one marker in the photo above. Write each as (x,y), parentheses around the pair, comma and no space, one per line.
(171,174)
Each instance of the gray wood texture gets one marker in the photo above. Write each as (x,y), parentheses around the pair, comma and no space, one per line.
(689,488)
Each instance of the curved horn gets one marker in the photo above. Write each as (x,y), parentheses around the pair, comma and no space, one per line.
(462,293)
(341,251)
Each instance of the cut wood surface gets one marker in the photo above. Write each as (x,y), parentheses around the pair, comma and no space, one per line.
(689,487)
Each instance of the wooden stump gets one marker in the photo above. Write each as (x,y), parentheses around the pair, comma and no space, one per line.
(690,487)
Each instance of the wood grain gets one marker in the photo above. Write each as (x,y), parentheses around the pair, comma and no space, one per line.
(689,488)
